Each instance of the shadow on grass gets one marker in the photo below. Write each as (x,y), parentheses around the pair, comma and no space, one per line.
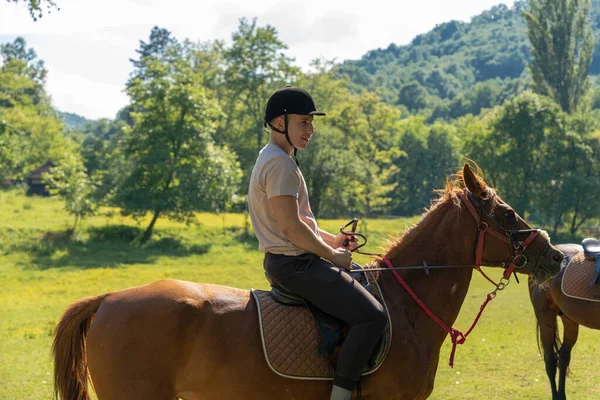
(107,247)
(241,236)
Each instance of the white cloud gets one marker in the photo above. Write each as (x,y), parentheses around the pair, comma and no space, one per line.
(83,96)
(88,43)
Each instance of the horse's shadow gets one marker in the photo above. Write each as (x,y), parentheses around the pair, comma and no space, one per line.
(110,246)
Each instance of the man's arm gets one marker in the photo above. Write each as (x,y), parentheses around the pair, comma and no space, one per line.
(285,212)
(338,240)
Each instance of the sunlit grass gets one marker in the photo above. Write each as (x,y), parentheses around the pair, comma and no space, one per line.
(39,279)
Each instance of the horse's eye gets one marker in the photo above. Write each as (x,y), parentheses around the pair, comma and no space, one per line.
(510,216)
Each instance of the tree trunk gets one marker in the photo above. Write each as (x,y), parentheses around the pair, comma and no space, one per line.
(148,233)
(259,135)
(315,197)
(75,223)
(574,224)
(246,224)
(556,224)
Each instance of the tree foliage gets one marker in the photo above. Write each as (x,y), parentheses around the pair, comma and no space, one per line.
(31,133)
(36,7)
(254,66)
(69,180)
(562,45)
(174,166)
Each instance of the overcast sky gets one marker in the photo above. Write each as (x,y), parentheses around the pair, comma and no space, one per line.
(88,43)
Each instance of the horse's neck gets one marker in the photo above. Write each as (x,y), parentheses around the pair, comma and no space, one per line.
(439,239)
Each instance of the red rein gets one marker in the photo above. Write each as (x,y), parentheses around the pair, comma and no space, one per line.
(457,336)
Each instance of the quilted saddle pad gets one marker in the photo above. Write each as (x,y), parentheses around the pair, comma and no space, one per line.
(577,278)
(290,338)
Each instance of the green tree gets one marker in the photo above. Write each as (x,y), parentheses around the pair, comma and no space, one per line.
(255,67)
(413,96)
(562,46)
(572,166)
(20,64)
(103,153)
(410,195)
(19,59)
(584,184)
(175,167)
(578,184)
(7,155)
(349,154)
(32,132)
(515,150)
(69,180)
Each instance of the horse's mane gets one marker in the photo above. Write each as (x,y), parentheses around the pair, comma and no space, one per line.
(448,199)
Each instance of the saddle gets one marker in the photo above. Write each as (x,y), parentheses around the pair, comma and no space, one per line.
(330,328)
(299,340)
(591,250)
(581,277)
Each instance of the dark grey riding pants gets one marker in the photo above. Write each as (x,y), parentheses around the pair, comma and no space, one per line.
(335,292)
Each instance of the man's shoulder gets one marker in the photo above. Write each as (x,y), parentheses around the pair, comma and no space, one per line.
(274,155)
(272,150)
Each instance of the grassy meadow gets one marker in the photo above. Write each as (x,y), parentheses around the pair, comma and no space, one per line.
(39,278)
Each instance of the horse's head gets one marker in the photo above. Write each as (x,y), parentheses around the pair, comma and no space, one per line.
(511,239)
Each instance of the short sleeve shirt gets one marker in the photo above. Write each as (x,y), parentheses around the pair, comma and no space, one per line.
(276,174)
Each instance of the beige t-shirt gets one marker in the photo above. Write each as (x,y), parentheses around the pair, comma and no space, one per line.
(276,174)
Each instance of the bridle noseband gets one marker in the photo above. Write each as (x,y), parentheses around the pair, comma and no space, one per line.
(519,259)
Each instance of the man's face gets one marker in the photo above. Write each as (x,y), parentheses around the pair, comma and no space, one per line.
(300,129)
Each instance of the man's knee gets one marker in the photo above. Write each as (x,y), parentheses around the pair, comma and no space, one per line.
(377,317)
(380,316)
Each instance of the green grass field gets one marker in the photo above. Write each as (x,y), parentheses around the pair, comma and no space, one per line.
(38,279)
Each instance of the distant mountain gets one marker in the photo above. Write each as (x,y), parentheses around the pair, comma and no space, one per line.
(457,67)
(74,121)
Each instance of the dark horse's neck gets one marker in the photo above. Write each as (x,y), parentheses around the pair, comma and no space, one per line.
(444,236)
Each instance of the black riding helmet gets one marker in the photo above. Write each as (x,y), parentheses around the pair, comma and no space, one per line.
(289,100)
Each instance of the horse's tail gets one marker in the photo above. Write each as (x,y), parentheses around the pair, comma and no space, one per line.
(70,364)
(555,346)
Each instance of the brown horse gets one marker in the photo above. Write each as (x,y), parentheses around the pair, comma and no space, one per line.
(549,302)
(172,339)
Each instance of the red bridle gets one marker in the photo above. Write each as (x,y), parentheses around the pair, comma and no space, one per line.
(505,237)
(457,336)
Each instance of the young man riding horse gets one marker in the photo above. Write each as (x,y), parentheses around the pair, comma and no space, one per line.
(302,258)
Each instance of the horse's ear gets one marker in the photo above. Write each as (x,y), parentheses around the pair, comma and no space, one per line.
(475,184)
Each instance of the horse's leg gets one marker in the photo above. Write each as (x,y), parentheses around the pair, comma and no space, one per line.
(548,337)
(546,314)
(571,332)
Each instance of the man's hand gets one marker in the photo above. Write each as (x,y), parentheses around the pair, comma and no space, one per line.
(342,258)
(339,240)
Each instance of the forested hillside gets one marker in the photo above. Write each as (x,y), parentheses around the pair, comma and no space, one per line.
(74,121)
(457,68)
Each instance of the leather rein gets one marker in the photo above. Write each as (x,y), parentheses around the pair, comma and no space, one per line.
(518,261)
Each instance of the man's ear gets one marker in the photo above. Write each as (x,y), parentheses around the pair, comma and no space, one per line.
(278,123)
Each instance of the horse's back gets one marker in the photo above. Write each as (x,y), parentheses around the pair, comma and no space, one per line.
(570,250)
(152,305)
(148,333)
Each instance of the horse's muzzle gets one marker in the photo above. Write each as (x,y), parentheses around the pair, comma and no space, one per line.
(549,266)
